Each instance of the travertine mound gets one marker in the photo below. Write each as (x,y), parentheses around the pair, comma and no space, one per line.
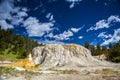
(54,55)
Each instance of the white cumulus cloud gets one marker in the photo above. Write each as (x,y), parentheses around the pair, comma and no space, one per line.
(50,17)
(115,38)
(105,23)
(80,37)
(6,6)
(103,35)
(75,29)
(5,25)
(7,9)
(51,42)
(19,17)
(22,14)
(63,36)
(113,19)
(35,28)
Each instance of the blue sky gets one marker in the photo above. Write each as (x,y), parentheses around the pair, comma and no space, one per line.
(63,21)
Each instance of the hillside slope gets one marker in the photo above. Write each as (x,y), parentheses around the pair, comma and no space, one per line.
(14,46)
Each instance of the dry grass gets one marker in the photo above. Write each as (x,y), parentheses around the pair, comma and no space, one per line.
(64,71)
(110,74)
(107,71)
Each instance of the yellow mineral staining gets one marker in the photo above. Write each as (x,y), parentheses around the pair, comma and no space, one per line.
(72,45)
(27,64)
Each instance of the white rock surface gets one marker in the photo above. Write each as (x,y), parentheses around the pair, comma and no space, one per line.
(70,55)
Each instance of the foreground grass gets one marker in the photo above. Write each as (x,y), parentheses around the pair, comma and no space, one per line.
(8,72)
(110,74)
(110,71)
(105,74)
(64,71)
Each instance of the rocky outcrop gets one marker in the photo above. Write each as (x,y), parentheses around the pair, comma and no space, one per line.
(53,55)
(101,57)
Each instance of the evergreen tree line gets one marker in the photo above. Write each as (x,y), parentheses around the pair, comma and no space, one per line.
(15,44)
(112,52)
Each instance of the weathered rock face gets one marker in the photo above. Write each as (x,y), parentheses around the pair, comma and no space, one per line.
(53,55)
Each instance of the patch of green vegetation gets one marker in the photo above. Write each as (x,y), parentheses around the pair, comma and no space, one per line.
(5,70)
(9,56)
(112,53)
